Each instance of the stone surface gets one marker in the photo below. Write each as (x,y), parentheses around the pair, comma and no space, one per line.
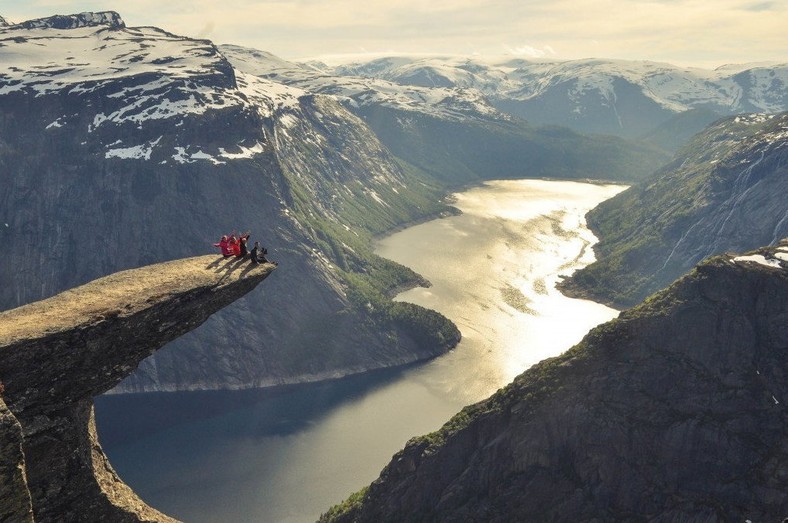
(675,411)
(57,354)
(14,496)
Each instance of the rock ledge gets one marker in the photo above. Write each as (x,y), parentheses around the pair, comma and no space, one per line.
(58,353)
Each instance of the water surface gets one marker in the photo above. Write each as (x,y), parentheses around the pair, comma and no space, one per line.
(288,455)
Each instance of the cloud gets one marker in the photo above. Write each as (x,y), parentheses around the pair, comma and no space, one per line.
(529,51)
(762,6)
(680,31)
(206,31)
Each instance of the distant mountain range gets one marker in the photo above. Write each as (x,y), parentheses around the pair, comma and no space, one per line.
(626,98)
(454,132)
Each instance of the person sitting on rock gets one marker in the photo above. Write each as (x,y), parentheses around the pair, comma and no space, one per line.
(235,247)
(258,254)
(224,246)
(242,239)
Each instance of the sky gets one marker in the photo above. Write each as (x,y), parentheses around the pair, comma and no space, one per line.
(701,33)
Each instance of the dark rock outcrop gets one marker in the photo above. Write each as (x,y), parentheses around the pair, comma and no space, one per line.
(57,354)
(675,411)
(110,19)
(15,502)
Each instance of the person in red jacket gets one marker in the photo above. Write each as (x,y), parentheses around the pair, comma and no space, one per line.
(224,246)
(235,246)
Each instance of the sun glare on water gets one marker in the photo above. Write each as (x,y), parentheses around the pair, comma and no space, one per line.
(493,271)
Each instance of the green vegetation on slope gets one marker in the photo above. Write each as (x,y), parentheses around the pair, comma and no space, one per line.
(645,238)
(368,279)
(676,132)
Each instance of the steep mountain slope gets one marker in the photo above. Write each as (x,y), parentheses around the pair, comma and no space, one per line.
(626,98)
(675,411)
(14,493)
(127,146)
(453,133)
(726,190)
(678,130)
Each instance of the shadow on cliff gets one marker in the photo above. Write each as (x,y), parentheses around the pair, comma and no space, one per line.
(231,265)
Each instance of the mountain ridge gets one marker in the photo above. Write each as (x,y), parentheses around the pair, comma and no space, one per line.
(87,19)
(622,97)
(723,191)
(455,134)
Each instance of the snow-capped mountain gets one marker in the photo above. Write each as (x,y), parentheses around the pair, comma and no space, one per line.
(440,71)
(622,97)
(135,76)
(453,132)
(444,102)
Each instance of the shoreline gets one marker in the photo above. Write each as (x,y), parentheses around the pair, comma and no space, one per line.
(446,212)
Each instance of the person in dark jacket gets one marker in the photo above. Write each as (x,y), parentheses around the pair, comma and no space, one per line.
(258,254)
(242,239)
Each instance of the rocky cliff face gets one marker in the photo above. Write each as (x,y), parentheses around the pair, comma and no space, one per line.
(725,191)
(57,354)
(15,503)
(675,411)
(129,146)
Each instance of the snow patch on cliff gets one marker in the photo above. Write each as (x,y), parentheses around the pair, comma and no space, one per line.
(759,259)
(137,152)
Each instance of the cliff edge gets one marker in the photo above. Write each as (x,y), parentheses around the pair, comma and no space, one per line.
(57,354)
(675,411)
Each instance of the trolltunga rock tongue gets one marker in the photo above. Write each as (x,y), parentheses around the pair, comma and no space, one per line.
(58,353)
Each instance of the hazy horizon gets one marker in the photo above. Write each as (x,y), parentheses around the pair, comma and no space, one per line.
(687,33)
